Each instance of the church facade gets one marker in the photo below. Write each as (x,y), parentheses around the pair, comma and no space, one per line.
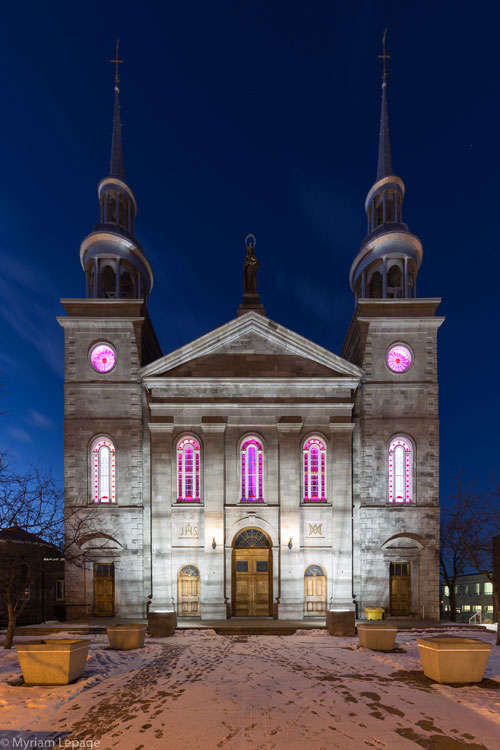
(252,472)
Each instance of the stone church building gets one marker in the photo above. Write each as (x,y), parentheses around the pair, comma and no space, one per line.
(252,472)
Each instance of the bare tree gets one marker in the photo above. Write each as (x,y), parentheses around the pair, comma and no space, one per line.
(452,556)
(34,525)
(475,518)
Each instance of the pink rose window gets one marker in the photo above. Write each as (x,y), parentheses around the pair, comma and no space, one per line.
(102,358)
(399,358)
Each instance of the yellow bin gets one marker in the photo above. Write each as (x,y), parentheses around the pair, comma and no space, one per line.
(374,613)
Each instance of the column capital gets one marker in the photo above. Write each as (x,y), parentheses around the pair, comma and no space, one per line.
(213,425)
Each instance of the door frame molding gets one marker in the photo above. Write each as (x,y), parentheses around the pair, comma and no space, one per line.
(270,566)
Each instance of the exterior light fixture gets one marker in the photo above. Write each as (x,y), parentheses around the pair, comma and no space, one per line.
(290,543)
(214,543)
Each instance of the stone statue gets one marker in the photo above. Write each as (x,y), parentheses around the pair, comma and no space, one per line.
(250,270)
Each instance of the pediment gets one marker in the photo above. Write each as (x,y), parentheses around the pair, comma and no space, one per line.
(252,346)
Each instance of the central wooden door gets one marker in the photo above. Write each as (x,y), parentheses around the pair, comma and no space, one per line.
(188,592)
(104,590)
(252,583)
(400,588)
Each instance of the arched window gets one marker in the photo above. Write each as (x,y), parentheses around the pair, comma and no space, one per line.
(252,471)
(104,473)
(314,466)
(400,471)
(188,471)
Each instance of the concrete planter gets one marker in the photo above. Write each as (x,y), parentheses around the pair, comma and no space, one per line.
(341,622)
(377,637)
(162,624)
(453,659)
(52,662)
(126,637)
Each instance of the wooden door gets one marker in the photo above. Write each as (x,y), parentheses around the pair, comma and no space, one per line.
(104,590)
(252,583)
(400,588)
(188,592)
(315,591)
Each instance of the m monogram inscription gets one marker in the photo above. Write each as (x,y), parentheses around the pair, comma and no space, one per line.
(315,529)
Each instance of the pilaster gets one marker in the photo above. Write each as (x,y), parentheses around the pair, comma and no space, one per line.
(292,582)
(213,605)
(161,523)
(341,573)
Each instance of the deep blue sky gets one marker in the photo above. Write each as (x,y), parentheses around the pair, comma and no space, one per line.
(250,117)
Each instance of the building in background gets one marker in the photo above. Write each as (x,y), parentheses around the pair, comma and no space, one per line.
(253,472)
(473,599)
(39,566)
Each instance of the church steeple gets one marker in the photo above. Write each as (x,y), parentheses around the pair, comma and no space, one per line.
(390,256)
(384,166)
(112,257)
(117,168)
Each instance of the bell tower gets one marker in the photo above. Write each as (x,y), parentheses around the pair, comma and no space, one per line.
(393,338)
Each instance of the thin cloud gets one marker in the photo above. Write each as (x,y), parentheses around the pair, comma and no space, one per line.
(30,313)
(19,434)
(40,420)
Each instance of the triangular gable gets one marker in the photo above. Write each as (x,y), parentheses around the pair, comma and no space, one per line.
(256,336)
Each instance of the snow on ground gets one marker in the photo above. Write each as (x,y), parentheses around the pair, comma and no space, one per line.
(201,691)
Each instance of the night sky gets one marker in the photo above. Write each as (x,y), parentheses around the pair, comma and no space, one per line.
(245,117)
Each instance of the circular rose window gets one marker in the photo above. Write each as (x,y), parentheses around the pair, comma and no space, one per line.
(399,358)
(102,358)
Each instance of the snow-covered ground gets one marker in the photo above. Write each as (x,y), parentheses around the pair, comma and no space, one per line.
(201,691)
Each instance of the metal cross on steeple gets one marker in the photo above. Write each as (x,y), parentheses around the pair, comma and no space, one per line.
(117,61)
(383,56)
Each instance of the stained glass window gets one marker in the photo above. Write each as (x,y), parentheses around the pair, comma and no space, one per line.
(314,471)
(251,538)
(188,471)
(189,570)
(252,469)
(400,471)
(399,358)
(104,471)
(102,358)
(314,570)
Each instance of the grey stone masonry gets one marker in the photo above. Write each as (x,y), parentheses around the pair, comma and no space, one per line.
(388,405)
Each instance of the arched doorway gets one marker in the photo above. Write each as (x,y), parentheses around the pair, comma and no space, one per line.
(188,591)
(252,574)
(314,591)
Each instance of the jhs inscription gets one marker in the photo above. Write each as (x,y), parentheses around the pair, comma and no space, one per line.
(315,529)
(189,531)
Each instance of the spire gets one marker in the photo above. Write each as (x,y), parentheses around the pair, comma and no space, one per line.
(117,168)
(384,166)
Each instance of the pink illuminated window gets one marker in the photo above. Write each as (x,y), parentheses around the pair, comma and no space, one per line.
(400,471)
(103,358)
(399,358)
(314,468)
(252,462)
(103,471)
(188,471)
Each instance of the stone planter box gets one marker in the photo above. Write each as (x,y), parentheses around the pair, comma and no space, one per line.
(162,624)
(52,662)
(453,659)
(341,622)
(126,637)
(379,637)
